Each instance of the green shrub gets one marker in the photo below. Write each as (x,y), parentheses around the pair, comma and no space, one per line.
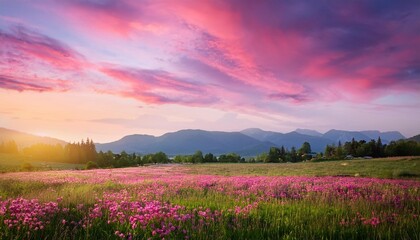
(91,165)
(403,173)
(26,166)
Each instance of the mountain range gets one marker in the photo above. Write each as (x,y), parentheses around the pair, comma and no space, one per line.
(248,142)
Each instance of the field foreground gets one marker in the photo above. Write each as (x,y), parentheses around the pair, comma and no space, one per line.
(169,202)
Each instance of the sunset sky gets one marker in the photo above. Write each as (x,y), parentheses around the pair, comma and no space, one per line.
(105,69)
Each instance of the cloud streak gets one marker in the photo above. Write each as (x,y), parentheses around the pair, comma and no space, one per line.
(159,87)
(9,83)
(20,44)
(34,62)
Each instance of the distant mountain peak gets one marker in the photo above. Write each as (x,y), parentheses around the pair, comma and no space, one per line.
(252,130)
(257,133)
(309,132)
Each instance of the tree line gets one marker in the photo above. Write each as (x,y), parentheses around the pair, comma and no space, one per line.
(282,154)
(372,148)
(198,157)
(111,160)
(77,152)
(348,150)
(124,159)
(9,147)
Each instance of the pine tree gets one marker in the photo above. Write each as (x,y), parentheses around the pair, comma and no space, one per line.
(379,148)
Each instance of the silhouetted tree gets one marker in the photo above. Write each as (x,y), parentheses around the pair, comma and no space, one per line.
(209,157)
(198,157)
(306,148)
(273,155)
(329,151)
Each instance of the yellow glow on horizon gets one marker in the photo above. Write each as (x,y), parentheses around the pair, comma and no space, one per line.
(72,116)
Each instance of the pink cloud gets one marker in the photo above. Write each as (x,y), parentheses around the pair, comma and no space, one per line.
(22,44)
(159,87)
(110,18)
(35,62)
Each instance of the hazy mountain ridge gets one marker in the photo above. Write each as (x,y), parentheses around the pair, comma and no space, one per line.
(25,139)
(414,138)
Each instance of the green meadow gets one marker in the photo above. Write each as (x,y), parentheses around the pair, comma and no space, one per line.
(353,199)
(20,162)
(393,167)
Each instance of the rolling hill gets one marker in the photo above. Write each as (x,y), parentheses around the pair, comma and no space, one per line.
(415,138)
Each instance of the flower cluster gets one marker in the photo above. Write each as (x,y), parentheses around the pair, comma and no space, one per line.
(29,214)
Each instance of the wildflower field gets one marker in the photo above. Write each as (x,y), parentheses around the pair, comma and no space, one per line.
(176,202)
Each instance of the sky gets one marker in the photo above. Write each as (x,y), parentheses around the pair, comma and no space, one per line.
(105,69)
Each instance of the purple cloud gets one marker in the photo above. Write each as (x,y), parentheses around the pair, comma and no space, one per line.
(7,82)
